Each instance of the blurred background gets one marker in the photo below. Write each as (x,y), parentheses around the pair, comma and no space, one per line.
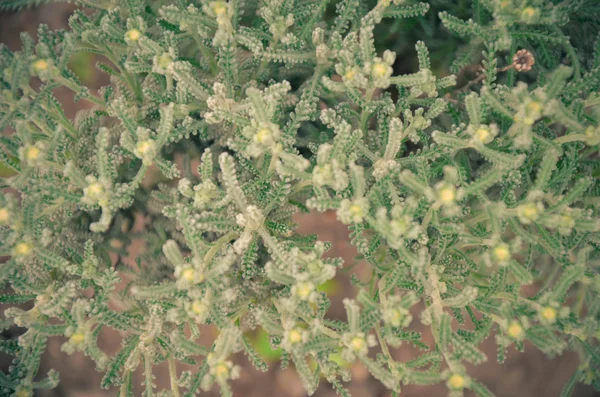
(523,375)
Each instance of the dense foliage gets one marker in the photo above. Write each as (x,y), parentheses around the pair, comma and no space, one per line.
(463,177)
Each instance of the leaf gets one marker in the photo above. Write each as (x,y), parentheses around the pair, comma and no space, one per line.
(460,27)
(467,350)
(9,166)
(424,360)
(595,355)
(50,382)
(231,182)
(380,373)
(464,297)
(423,377)
(14,5)
(263,346)
(522,275)
(254,358)
(182,73)
(570,275)
(212,222)
(346,12)
(117,362)
(567,390)
(305,373)
(10,347)
(539,37)
(444,331)
(166,123)
(15,299)
(480,389)
(473,105)
(500,158)
(546,340)
(423,56)
(406,11)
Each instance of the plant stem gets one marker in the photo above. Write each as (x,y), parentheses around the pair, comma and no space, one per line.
(173,376)
(125,385)
(75,88)
(217,246)
(569,138)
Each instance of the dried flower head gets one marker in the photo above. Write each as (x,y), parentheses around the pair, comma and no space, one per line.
(523,61)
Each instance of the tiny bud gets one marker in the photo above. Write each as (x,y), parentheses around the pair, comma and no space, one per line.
(40,65)
(548,314)
(530,14)
(132,35)
(77,338)
(501,253)
(23,249)
(515,331)
(456,382)
(380,70)
(4,215)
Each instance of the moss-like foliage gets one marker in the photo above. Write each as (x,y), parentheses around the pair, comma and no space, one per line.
(457,140)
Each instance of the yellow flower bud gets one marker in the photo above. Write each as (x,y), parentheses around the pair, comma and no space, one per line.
(549,314)
(482,134)
(144,147)
(534,106)
(303,290)
(515,330)
(589,132)
(40,65)
(456,381)
(164,60)
(4,215)
(447,195)
(77,338)
(380,70)
(23,249)
(199,308)
(358,344)
(502,253)
(262,135)
(396,318)
(133,35)
(350,75)
(221,370)
(356,210)
(295,336)
(530,212)
(32,153)
(219,8)
(188,274)
(567,221)
(528,12)
(95,189)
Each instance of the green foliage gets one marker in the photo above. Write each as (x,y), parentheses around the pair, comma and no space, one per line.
(457,189)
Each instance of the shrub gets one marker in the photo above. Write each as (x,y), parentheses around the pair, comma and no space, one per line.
(461,180)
